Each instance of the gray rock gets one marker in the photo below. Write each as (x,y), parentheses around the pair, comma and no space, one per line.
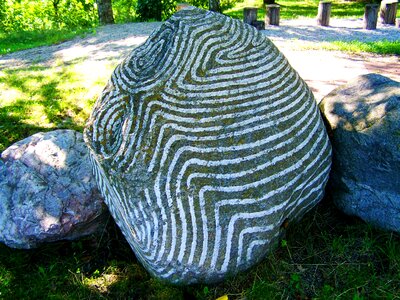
(364,119)
(47,190)
(204,141)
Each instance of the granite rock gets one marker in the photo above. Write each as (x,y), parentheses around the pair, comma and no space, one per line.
(47,191)
(363,117)
(204,142)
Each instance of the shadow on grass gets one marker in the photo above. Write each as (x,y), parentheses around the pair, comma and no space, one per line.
(102,266)
(326,255)
(39,103)
(57,270)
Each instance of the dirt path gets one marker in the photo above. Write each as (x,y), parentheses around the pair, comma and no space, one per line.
(322,70)
(109,43)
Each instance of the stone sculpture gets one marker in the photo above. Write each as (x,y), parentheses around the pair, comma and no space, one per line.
(203,142)
(364,119)
(47,191)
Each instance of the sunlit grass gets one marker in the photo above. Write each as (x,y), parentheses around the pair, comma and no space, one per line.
(378,47)
(38,98)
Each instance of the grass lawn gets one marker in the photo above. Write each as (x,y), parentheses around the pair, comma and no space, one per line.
(39,98)
(291,9)
(325,256)
(379,47)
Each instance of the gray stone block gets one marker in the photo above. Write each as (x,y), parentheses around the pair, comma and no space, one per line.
(364,119)
(47,191)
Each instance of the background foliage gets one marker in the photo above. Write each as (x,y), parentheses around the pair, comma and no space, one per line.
(225,4)
(124,11)
(25,15)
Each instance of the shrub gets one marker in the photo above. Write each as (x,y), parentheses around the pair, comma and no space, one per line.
(124,10)
(155,9)
(149,9)
(25,15)
(225,4)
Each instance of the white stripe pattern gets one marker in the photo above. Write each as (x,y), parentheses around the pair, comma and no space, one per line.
(203,142)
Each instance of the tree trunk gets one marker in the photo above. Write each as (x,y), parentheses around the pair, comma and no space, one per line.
(214,5)
(249,15)
(388,12)
(272,14)
(370,16)
(56,12)
(324,13)
(104,9)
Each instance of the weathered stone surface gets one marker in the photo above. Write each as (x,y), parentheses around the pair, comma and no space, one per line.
(204,141)
(364,119)
(47,190)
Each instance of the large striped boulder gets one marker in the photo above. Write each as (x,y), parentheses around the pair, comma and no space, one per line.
(204,142)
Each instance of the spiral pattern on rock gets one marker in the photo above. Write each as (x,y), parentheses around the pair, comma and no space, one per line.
(203,142)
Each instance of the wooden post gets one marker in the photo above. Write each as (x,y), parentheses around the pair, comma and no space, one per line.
(249,15)
(105,12)
(259,25)
(370,16)
(272,14)
(388,11)
(324,13)
(214,5)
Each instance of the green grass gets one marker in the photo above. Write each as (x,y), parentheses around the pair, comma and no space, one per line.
(39,98)
(15,41)
(378,47)
(325,256)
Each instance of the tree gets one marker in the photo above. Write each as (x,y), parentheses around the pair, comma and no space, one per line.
(104,9)
(149,9)
(214,5)
(56,11)
(155,9)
